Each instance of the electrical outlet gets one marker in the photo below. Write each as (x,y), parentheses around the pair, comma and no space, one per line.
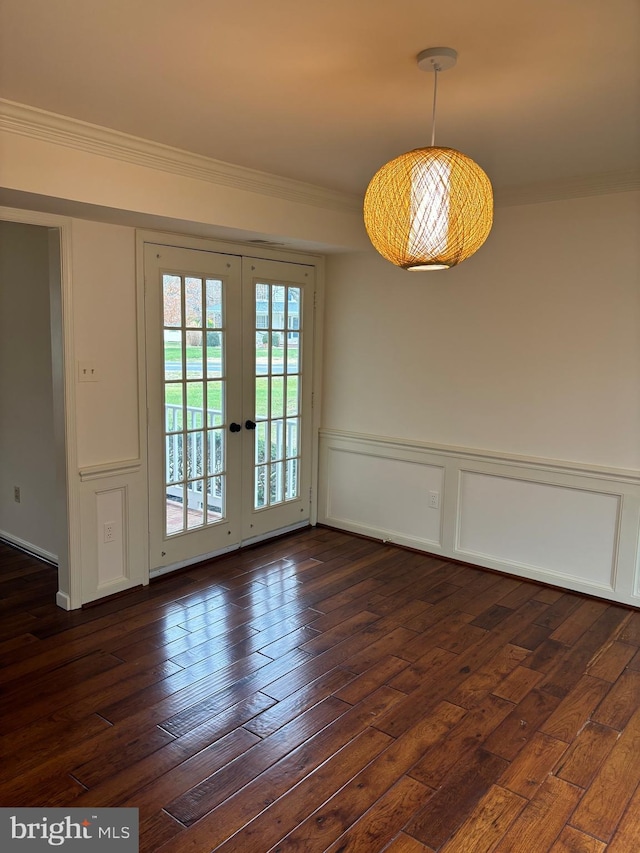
(434,500)
(110,531)
(16,494)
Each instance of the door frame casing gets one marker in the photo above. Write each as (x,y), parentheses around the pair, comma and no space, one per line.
(69,595)
(243,250)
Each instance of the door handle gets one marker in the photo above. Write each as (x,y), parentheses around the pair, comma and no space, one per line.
(250,424)
(235,427)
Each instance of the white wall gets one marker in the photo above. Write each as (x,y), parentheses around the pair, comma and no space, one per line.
(27,448)
(104,305)
(530,347)
(113,482)
(508,386)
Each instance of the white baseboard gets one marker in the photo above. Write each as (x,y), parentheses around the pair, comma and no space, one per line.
(29,548)
(63,600)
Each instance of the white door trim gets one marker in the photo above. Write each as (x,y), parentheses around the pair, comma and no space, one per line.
(245,250)
(69,595)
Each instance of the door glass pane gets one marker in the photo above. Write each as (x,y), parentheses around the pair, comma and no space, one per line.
(277,352)
(174,509)
(195,504)
(292,438)
(291,487)
(293,352)
(214,303)
(194,354)
(195,405)
(172,300)
(214,354)
(172,354)
(277,482)
(292,395)
(215,403)
(277,399)
(174,458)
(215,451)
(261,442)
(278,306)
(173,407)
(195,454)
(215,499)
(277,439)
(262,398)
(194,443)
(260,498)
(193,302)
(277,388)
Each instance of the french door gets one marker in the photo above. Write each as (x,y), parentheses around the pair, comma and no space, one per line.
(229,348)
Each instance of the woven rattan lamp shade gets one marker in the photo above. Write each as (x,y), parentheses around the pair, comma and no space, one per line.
(429,209)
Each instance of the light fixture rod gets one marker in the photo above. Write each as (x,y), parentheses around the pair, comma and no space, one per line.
(435,97)
(436,59)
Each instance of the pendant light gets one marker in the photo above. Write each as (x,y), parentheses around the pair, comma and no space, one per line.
(430,208)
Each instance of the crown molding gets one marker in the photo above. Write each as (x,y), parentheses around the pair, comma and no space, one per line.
(603,183)
(93,139)
(46,126)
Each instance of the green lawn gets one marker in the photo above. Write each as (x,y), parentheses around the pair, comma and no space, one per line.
(173,395)
(173,392)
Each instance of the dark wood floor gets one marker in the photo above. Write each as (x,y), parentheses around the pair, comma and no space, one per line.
(327,693)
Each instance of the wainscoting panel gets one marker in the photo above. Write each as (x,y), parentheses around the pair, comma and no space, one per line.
(548,520)
(565,532)
(114,528)
(391,495)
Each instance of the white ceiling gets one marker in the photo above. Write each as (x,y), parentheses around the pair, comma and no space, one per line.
(327,91)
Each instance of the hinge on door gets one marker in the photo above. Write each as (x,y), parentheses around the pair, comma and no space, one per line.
(313,396)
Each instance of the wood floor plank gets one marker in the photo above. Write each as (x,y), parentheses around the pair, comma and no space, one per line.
(215,789)
(471,731)
(383,820)
(610,664)
(541,822)
(576,708)
(517,684)
(249,828)
(379,673)
(404,843)
(571,840)
(627,836)
(631,631)
(292,802)
(457,797)
(153,833)
(475,687)
(578,621)
(326,692)
(583,759)
(324,826)
(571,665)
(521,724)
(533,764)
(280,713)
(487,823)
(613,786)
(620,703)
